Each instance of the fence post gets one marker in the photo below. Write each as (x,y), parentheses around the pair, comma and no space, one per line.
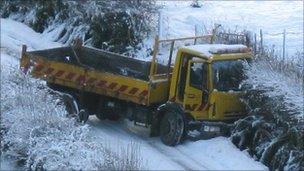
(159,24)
(255,43)
(261,40)
(195,33)
(284,38)
(237,39)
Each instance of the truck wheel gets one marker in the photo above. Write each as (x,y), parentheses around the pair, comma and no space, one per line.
(103,112)
(171,128)
(83,116)
(100,111)
(107,114)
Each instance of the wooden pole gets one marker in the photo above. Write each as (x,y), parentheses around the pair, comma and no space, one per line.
(159,24)
(213,36)
(23,49)
(195,32)
(261,41)
(237,39)
(284,38)
(255,43)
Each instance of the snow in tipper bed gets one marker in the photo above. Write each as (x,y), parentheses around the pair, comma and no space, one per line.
(209,49)
(218,153)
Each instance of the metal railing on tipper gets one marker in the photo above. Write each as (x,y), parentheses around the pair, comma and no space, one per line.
(172,42)
(226,38)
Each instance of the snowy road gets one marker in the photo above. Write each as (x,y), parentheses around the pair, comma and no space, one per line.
(214,154)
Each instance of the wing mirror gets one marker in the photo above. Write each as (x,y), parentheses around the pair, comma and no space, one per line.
(205,91)
(205,96)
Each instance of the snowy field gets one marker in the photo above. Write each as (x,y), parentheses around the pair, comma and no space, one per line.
(179,19)
(214,154)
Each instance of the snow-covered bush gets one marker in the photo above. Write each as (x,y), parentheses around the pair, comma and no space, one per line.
(273,132)
(119,26)
(36,133)
(196,4)
(116,31)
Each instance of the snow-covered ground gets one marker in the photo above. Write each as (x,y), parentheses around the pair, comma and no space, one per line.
(214,154)
(179,19)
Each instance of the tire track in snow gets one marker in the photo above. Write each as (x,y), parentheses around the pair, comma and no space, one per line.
(176,155)
(201,163)
(171,153)
(110,128)
(157,145)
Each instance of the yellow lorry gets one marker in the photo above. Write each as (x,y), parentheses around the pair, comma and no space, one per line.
(203,85)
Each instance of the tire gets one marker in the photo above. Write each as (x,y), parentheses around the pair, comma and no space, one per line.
(83,116)
(172,128)
(103,112)
(100,111)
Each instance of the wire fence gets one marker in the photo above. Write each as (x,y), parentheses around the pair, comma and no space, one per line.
(284,35)
(286,45)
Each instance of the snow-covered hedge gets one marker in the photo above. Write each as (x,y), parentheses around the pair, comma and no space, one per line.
(91,21)
(36,133)
(274,130)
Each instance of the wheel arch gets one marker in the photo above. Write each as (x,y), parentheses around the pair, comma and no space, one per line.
(162,109)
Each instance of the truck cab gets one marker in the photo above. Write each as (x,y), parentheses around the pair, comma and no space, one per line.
(205,83)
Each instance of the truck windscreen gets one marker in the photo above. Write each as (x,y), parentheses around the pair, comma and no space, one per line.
(227,75)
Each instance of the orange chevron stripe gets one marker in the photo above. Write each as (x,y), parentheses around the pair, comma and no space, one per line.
(81,79)
(38,67)
(201,107)
(123,88)
(144,93)
(70,76)
(49,71)
(133,90)
(112,86)
(101,83)
(91,80)
(59,73)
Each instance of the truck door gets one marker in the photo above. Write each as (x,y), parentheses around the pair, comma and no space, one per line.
(196,89)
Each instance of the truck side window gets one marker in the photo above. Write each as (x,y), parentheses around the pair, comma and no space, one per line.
(198,76)
(182,78)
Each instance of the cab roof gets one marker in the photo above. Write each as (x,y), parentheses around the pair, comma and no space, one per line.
(210,50)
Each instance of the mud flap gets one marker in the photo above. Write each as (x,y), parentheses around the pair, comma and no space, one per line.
(72,108)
